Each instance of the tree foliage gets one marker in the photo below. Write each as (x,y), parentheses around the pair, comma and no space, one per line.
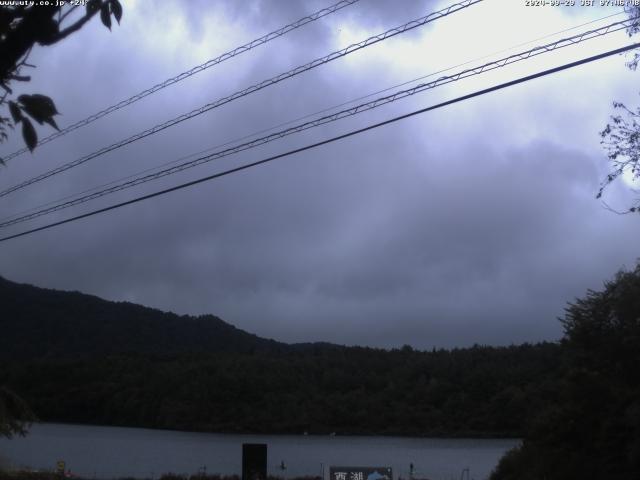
(634,12)
(478,391)
(23,26)
(621,136)
(621,139)
(15,414)
(593,430)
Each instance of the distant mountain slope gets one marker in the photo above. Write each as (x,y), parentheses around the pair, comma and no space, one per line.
(43,323)
(77,358)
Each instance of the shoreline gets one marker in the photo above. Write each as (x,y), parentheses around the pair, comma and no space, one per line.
(337,434)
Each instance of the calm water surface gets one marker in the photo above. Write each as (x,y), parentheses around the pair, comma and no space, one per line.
(112,452)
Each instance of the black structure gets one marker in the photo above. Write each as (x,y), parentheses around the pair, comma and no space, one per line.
(254,461)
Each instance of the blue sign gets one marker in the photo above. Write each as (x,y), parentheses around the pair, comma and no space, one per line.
(360,473)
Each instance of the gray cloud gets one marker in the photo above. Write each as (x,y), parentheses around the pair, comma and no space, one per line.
(472,224)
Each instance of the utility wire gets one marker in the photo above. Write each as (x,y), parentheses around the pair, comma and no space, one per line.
(197,69)
(329,140)
(254,88)
(289,122)
(297,119)
(614,27)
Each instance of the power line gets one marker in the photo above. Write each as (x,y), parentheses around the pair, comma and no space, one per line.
(197,69)
(254,88)
(329,140)
(289,122)
(614,27)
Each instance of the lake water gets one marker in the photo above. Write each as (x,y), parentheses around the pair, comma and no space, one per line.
(113,452)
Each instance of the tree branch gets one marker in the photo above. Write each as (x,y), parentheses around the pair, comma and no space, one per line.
(613,210)
(66,14)
(18,42)
(70,29)
(20,78)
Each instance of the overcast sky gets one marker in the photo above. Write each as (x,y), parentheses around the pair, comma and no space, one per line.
(474,223)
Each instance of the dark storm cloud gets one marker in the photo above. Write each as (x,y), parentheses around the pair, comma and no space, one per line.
(471,224)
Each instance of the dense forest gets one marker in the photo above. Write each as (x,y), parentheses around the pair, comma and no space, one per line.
(592,429)
(576,403)
(480,391)
(77,358)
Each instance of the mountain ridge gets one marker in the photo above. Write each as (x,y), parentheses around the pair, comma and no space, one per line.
(42,322)
(78,358)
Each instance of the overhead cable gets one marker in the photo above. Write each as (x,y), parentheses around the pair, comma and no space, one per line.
(247,91)
(327,141)
(363,107)
(297,119)
(197,69)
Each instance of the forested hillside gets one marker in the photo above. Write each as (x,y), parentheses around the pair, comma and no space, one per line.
(37,322)
(77,358)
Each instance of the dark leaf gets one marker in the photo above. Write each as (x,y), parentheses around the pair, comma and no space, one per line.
(93,6)
(15,112)
(105,15)
(40,107)
(2,162)
(116,9)
(52,122)
(29,134)
(47,30)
